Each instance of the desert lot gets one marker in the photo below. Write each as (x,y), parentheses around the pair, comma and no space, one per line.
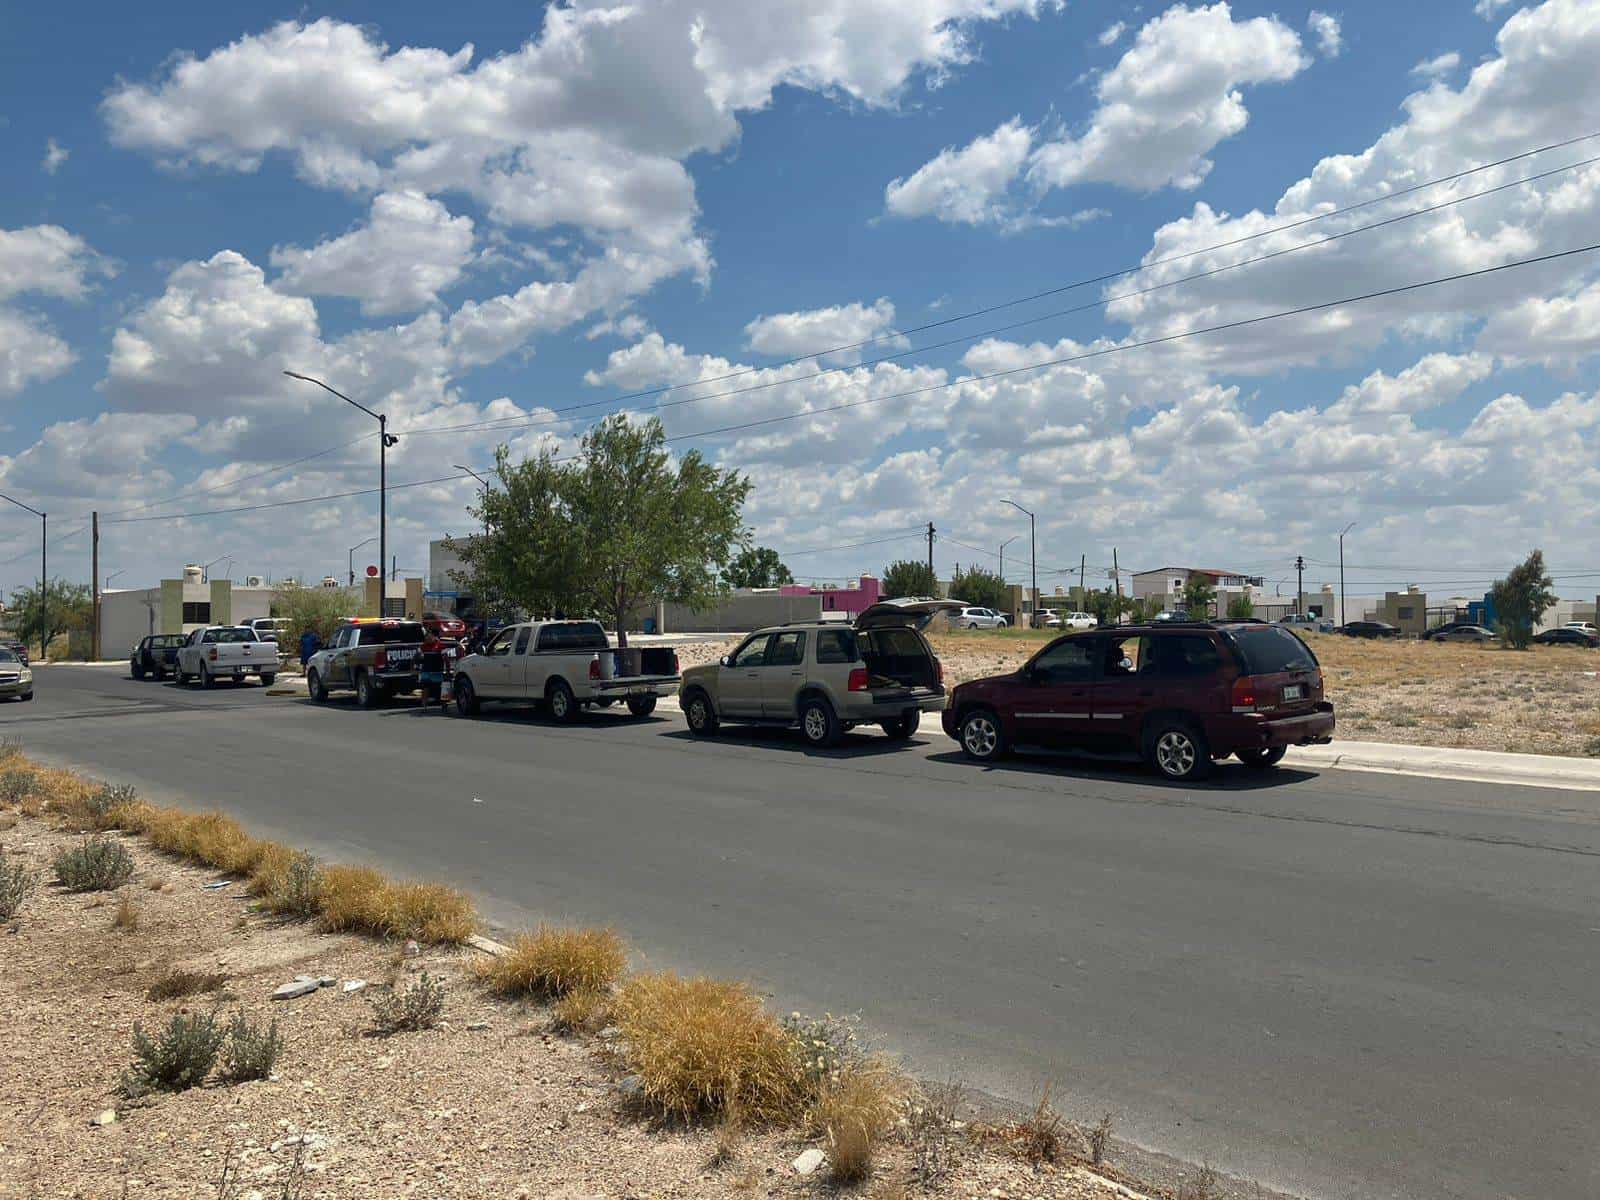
(1545,700)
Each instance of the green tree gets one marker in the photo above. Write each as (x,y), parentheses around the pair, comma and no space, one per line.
(1240,606)
(1199,594)
(1105,606)
(319,609)
(756,567)
(906,578)
(981,588)
(66,607)
(1144,609)
(619,525)
(1522,598)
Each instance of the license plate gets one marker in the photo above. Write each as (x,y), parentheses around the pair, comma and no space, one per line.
(1294,691)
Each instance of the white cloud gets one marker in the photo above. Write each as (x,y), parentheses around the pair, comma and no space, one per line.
(1173,96)
(409,251)
(1437,67)
(968,185)
(48,261)
(791,334)
(1554,330)
(1330,37)
(29,351)
(55,156)
(1488,8)
(1427,383)
(1112,34)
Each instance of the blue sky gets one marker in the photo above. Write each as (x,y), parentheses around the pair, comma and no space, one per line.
(592,201)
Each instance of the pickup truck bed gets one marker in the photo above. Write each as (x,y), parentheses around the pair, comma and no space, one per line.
(567,666)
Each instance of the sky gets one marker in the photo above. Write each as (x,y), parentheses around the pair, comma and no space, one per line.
(927,255)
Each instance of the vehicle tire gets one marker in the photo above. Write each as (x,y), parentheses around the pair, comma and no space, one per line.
(819,723)
(137,671)
(902,728)
(207,680)
(268,678)
(563,704)
(1178,751)
(702,718)
(1262,759)
(466,697)
(641,706)
(972,624)
(315,688)
(982,738)
(179,678)
(368,694)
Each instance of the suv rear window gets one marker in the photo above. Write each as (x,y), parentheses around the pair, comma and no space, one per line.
(836,646)
(1268,651)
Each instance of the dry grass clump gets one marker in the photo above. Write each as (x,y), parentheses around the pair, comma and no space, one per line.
(701,1046)
(16,881)
(1040,1137)
(210,839)
(128,914)
(553,962)
(362,900)
(177,984)
(584,1010)
(854,1112)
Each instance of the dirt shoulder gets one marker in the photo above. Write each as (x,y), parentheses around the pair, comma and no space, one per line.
(1545,700)
(489,1103)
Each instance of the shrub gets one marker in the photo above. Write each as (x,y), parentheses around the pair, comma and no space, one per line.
(10,749)
(106,805)
(287,881)
(16,881)
(931,1130)
(175,985)
(17,782)
(701,1046)
(127,918)
(416,1006)
(552,962)
(827,1046)
(252,1050)
(179,1058)
(583,1010)
(96,864)
(1099,1139)
(854,1111)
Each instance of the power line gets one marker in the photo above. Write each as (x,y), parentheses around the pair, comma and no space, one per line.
(507,424)
(242,479)
(1123,348)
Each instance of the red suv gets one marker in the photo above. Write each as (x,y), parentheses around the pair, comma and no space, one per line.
(1178,694)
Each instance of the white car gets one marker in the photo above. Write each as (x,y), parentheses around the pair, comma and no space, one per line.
(979,618)
(1581,626)
(1078,620)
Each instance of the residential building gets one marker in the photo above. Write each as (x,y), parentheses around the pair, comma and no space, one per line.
(1166,585)
(178,606)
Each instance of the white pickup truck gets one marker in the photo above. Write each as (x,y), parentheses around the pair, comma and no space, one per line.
(567,666)
(225,652)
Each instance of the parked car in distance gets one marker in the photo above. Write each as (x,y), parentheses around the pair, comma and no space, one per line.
(1567,636)
(225,652)
(978,618)
(1465,633)
(1369,629)
(156,654)
(1177,614)
(444,627)
(1584,626)
(826,677)
(1047,618)
(567,666)
(1078,620)
(16,676)
(372,657)
(1439,631)
(1306,621)
(20,649)
(271,629)
(1179,696)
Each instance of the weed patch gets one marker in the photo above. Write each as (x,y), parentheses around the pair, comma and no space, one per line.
(127,916)
(585,1010)
(16,881)
(416,1006)
(175,985)
(17,782)
(932,1132)
(252,1050)
(96,864)
(288,882)
(854,1111)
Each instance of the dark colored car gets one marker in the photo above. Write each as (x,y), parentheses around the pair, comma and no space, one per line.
(1439,631)
(1466,633)
(1567,637)
(444,627)
(1180,696)
(156,655)
(1369,629)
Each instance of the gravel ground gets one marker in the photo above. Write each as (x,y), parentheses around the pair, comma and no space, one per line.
(489,1104)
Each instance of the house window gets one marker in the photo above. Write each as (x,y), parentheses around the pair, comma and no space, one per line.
(1405,612)
(197,612)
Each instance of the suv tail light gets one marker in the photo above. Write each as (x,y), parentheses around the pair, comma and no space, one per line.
(212,654)
(938,672)
(594,668)
(675,668)
(1244,694)
(380,660)
(858,680)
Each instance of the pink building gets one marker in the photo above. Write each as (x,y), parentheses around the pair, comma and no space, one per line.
(853,599)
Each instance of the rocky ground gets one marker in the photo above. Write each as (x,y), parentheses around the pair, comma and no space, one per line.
(488,1104)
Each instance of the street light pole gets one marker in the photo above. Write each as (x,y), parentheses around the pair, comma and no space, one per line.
(352,557)
(1003,546)
(112,576)
(485,483)
(44,571)
(385,440)
(1342,532)
(1033,557)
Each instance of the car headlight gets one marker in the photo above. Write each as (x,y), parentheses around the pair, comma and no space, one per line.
(26,676)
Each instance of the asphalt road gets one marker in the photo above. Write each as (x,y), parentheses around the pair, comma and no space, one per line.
(1341,984)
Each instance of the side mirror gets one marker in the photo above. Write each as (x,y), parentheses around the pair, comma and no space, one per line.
(1126,664)
(723,661)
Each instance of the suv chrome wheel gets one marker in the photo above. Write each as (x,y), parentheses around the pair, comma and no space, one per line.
(818,723)
(980,736)
(1180,752)
(699,715)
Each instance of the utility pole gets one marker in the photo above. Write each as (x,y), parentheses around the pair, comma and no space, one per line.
(1083,586)
(44,570)
(94,581)
(1003,546)
(1033,562)
(1342,532)
(931,575)
(1116,580)
(1300,585)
